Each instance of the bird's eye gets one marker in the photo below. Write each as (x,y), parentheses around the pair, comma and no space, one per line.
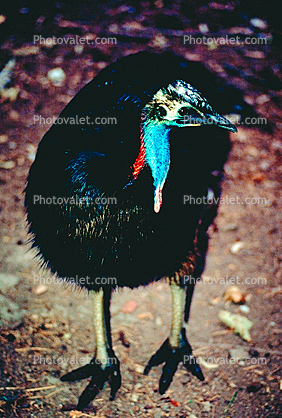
(183,111)
(162,111)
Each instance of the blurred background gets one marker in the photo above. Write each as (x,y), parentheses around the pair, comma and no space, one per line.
(41,323)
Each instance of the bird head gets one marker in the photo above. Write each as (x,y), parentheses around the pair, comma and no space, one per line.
(180,105)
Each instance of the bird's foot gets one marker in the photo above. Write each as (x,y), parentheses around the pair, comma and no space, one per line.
(172,357)
(99,374)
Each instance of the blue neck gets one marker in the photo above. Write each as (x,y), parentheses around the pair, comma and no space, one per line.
(157,155)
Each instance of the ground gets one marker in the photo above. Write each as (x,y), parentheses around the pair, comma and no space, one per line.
(47,328)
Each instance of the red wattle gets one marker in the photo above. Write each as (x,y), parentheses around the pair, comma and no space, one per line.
(140,160)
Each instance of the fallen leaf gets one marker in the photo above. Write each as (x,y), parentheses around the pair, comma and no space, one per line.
(255,54)
(26,50)
(7,165)
(240,324)
(258,177)
(174,403)
(10,94)
(207,365)
(145,315)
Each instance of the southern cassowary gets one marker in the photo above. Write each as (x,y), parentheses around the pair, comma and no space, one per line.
(162,142)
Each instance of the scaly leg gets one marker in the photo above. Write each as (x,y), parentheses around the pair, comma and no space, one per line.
(176,348)
(105,365)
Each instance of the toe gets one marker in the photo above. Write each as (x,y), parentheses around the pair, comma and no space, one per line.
(81,373)
(159,357)
(169,370)
(193,367)
(115,383)
(91,391)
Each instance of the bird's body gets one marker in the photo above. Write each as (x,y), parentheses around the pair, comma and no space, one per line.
(123,238)
(141,164)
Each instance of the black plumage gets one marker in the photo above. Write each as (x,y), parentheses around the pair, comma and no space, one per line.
(126,238)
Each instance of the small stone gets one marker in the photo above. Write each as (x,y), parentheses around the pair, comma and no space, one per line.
(40,289)
(12,145)
(3,138)
(138,368)
(236,247)
(158,321)
(31,156)
(244,309)
(215,301)
(232,267)
(20,160)
(207,406)
(203,28)
(14,115)
(57,76)
(250,100)
(78,49)
(192,57)
(129,306)
(264,165)
(159,41)
(253,151)
(264,98)
(258,23)
(135,397)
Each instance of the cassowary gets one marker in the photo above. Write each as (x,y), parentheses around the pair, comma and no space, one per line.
(112,195)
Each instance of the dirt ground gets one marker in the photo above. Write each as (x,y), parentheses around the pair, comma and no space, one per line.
(48,331)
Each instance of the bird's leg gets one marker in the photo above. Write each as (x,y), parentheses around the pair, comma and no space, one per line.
(176,348)
(105,365)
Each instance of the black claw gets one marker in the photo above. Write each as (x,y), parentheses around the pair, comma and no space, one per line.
(110,373)
(115,376)
(194,368)
(115,383)
(172,357)
(91,391)
(158,358)
(169,370)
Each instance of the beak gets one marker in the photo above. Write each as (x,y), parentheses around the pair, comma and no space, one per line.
(208,119)
(218,120)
